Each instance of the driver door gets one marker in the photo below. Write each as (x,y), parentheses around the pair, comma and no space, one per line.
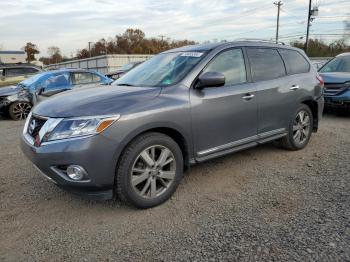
(224,118)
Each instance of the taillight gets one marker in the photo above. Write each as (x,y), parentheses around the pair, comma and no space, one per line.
(320,79)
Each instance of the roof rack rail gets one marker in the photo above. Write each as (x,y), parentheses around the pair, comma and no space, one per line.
(260,40)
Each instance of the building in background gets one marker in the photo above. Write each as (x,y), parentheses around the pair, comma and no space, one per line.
(103,64)
(12,57)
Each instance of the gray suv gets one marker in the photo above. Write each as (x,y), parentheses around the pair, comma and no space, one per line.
(181,107)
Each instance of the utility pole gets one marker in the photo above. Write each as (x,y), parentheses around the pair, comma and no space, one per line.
(90,48)
(162,37)
(308,26)
(278,4)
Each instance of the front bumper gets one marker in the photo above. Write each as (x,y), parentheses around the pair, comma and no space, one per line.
(338,101)
(96,154)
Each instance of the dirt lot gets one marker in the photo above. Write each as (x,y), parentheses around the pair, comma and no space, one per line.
(261,204)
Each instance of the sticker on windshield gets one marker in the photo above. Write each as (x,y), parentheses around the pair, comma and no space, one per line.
(192,54)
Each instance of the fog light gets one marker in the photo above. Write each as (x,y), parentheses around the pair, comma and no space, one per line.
(76,172)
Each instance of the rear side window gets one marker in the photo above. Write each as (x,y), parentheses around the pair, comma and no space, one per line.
(295,62)
(265,63)
(96,78)
(85,78)
(231,64)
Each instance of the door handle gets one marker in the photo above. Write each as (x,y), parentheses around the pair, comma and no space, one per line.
(248,97)
(294,87)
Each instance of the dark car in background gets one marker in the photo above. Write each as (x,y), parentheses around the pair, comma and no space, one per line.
(123,70)
(17,101)
(336,76)
(181,107)
(12,74)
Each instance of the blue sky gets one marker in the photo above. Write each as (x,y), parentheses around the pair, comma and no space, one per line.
(70,24)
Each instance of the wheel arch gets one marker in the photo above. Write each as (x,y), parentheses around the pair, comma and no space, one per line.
(172,131)
(314,109)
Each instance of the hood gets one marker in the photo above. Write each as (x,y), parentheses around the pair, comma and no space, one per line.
(335,77)
(94,101)
(9,90)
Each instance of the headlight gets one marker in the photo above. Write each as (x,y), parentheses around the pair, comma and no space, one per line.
(82,126)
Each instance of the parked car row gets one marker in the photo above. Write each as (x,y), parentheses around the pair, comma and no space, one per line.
(136,137)
(17,101)
(13,74)
(336,75)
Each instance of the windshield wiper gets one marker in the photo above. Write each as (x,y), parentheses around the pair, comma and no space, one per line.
(124,84)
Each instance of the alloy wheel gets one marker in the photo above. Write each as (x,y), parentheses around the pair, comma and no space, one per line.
(301,127)
(21,110)
(153,171)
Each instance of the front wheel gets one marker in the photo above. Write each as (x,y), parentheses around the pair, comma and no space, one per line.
(149,171)
(300,129)
(19,110)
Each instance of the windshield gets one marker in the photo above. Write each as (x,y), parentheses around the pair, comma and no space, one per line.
(29,81)
(338,64)
(161,70)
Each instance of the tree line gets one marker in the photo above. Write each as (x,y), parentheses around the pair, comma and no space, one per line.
(134,41)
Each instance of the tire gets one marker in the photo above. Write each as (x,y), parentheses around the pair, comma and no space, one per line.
(291,141)
(19,110)
(153,183)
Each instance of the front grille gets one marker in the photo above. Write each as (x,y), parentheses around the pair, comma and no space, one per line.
(334,89)
(35,125)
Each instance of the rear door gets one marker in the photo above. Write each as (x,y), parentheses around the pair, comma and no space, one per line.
(275,103)
(224,117)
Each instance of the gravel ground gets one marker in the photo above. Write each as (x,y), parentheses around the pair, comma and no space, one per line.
(261,204)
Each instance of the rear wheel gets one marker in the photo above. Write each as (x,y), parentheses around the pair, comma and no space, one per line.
(19,110)
(149,171)
(300,129)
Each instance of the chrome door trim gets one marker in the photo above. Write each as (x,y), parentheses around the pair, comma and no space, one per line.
(263,136)
(227,146)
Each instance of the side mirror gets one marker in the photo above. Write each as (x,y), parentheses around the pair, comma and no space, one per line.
(210,79)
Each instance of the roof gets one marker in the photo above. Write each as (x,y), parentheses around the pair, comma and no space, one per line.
(20,65)
(12,52)
(71,70)
(344,54)
(211,46)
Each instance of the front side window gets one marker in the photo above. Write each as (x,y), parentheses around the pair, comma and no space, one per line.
(265,63)
(295,62)
(56,81)
(162,70)
(231,64)
(338,64)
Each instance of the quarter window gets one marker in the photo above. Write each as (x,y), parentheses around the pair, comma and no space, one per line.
(231,64)
(265,63)
(295,62)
